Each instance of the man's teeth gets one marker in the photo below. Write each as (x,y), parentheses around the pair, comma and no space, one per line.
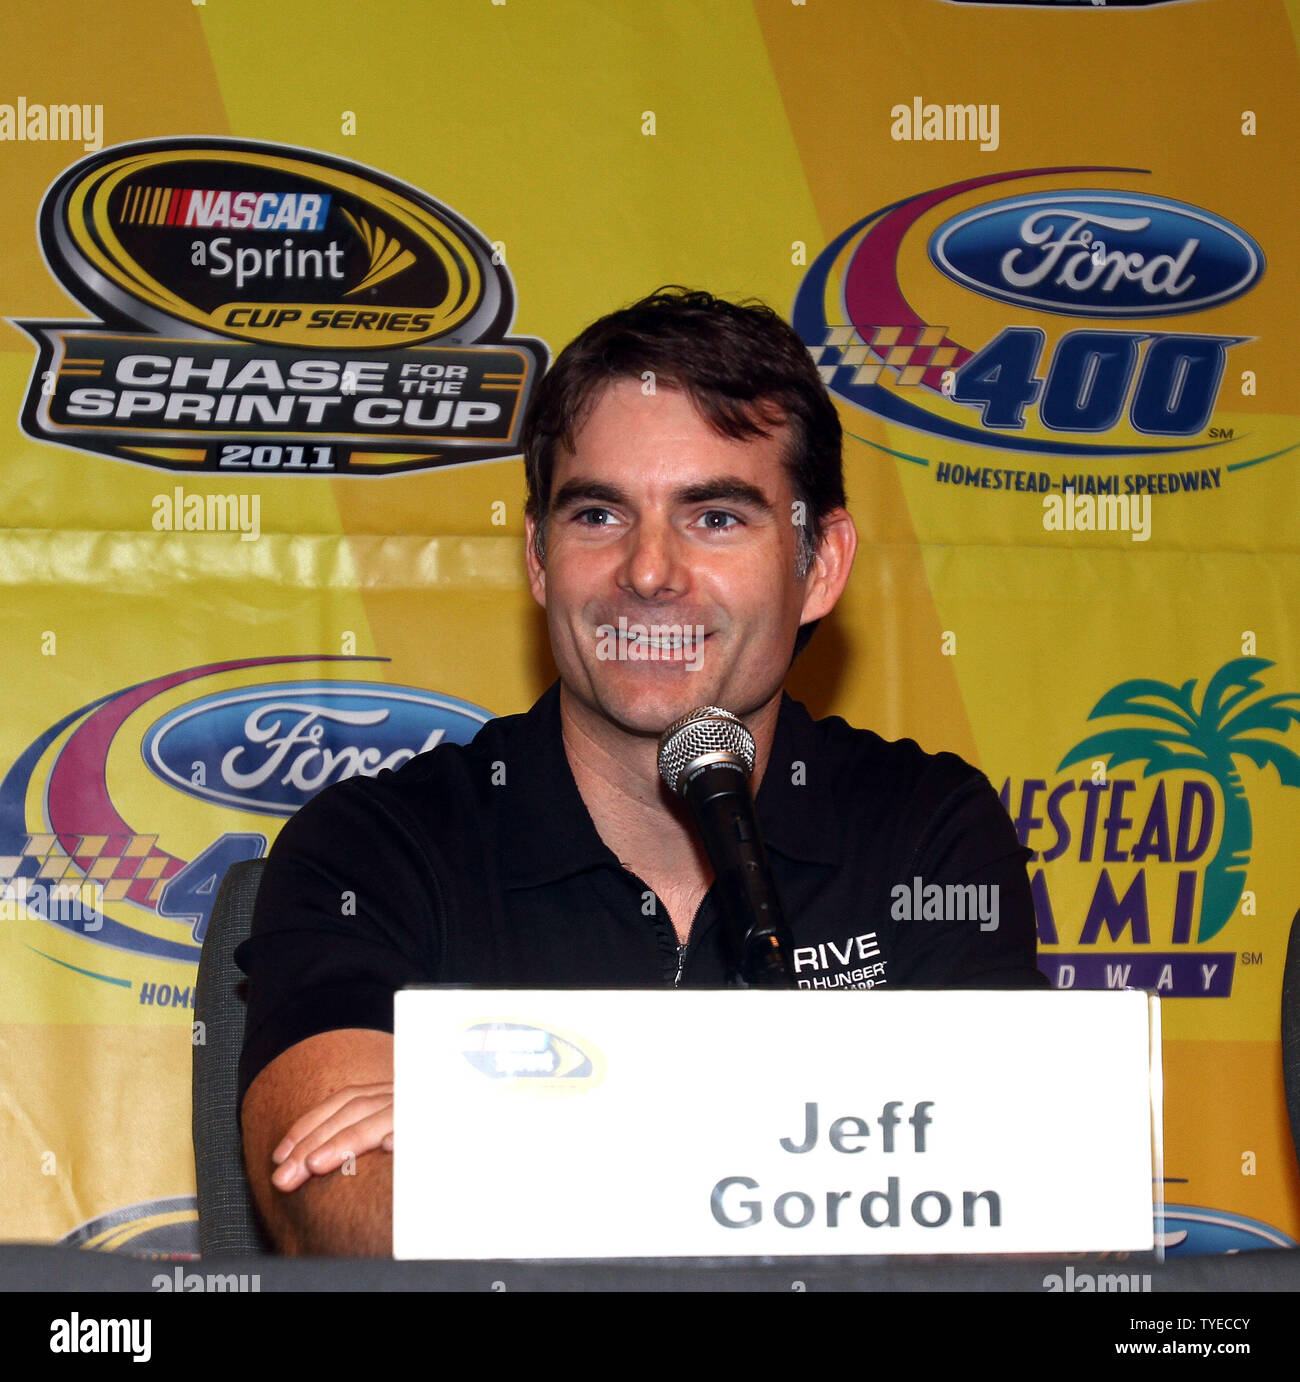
(670,643)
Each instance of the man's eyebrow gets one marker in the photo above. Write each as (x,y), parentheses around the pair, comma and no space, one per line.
(719,489)
(593,491)
(725,489)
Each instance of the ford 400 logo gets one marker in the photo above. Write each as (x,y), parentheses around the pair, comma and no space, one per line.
(1098,254)
(270,748)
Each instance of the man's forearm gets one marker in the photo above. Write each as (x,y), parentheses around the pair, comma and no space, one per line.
(339,1214)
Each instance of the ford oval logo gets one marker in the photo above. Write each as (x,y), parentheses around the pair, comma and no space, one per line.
(272,747)
(1098,254)
(1194,1230)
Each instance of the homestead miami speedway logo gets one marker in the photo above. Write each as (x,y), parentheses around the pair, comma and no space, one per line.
(257,748)
(1104,380)
(272,310)
(1154,818)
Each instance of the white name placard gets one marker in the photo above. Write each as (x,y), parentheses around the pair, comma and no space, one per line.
(684,1123)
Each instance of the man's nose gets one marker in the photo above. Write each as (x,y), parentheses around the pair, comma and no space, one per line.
(653,565)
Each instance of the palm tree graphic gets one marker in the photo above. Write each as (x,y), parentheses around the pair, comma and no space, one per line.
(1205,740)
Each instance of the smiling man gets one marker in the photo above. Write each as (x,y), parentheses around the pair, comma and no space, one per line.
(686,531)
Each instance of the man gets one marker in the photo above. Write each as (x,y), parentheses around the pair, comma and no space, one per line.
(686,530)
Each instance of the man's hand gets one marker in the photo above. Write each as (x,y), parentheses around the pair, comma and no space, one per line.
(356,1119)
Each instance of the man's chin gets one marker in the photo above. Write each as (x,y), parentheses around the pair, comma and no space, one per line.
(647,704)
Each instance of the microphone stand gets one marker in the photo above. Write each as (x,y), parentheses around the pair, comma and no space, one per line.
(758,938)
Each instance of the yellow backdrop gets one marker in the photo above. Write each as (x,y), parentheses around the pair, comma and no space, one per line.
(1043,256)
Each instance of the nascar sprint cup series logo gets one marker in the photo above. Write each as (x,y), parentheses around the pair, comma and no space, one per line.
(275,310)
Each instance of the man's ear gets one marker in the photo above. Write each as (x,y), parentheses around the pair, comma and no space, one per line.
(536,571)
(829,573)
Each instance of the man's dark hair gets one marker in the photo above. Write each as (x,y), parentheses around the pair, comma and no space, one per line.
(744,369)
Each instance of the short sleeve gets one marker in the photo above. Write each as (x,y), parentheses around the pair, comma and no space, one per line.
(981,931)
(347,913)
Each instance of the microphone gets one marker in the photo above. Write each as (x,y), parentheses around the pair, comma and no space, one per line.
(706,758)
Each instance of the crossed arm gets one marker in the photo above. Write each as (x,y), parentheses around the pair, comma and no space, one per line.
(318,1133)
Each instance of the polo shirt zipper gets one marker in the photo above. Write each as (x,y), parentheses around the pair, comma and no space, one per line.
(684,946)
(665,927)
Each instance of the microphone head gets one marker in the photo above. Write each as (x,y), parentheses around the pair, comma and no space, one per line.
(703,735)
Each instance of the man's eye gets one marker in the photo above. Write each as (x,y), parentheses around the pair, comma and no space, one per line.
(593,518)
(718,520)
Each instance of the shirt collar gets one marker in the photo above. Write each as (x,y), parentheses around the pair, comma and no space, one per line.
(548,832)
(546,828)
(795,802)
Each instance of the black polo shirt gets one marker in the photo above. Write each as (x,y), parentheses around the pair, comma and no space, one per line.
(479,864)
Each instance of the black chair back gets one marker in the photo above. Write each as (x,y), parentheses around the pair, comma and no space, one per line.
(228,1224)
(1291,1031)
